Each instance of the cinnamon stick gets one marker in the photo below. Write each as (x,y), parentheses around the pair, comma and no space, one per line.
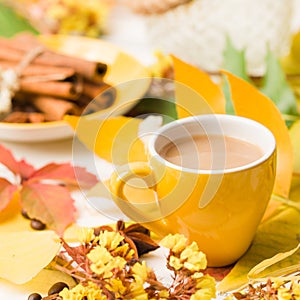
(53,73)
(69,89)
(92,89)
(14,50)
(102,101)
(55,109)
(24,117)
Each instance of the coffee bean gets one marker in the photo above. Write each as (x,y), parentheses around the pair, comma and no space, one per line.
(37,225)
(34,296)
(57,287)
(24,214)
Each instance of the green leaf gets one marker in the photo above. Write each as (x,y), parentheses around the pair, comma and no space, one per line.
(276,87)
(227,94)
(234,60)
(12,23)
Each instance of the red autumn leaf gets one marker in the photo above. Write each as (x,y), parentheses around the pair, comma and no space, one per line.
(51,204)
(8,160)
(65,173)
(6,192)
(25,169)
(21,168)
(84,178)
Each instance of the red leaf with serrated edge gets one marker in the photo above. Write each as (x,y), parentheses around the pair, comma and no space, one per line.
(65,173)
(21,168)
(8,160)
(51,204)
(25,169)
(6,192)
(84,178)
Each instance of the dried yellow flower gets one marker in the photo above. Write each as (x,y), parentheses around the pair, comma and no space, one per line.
(85,235)
(207,283)
(175,262)
(140,272)
(164,294)
(103,262)
(83,17)
(116,286)
(137,291)
(296,290)
(89,291)
(110,239)
(194,260)
(124,251)
(176,242)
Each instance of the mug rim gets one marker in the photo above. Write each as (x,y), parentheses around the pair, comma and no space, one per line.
(153,152)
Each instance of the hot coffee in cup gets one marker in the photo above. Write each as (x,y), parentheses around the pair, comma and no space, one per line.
(213,176)
(200,151)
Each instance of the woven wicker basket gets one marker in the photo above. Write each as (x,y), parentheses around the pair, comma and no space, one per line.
(196,30)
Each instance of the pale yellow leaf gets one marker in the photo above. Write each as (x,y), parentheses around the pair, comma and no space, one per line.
(259,268)
(24,254)
(41,284)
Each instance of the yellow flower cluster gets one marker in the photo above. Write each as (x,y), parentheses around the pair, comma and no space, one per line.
(78,16)
(85,235)
(89,291)
(110,268)
(184,256)
(188,258)
(109,254)
(277,289)
(83,17)
(103,262)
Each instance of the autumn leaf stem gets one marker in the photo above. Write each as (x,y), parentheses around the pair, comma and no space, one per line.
(287,273)
(286,201)
(290,117)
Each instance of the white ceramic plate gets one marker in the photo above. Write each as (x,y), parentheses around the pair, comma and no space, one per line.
(122,68)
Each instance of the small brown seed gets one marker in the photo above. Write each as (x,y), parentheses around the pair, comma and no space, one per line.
(57,287)
(24,214)
(37,225)
(34,296)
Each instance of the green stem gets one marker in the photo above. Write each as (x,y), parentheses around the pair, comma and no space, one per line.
(290,117)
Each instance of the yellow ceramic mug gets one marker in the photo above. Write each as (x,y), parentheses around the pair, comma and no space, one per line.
(218,208)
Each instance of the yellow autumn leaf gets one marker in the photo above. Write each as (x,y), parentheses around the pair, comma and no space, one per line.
(114,139)
(291,62)
(249,102)
(24,254)
(276,235)
(195,91)
(295,138)
(38,284)
(262,266)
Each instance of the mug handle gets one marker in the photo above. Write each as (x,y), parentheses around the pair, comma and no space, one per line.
(142,170)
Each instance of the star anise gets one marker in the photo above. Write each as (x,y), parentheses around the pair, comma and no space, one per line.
(136,235)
